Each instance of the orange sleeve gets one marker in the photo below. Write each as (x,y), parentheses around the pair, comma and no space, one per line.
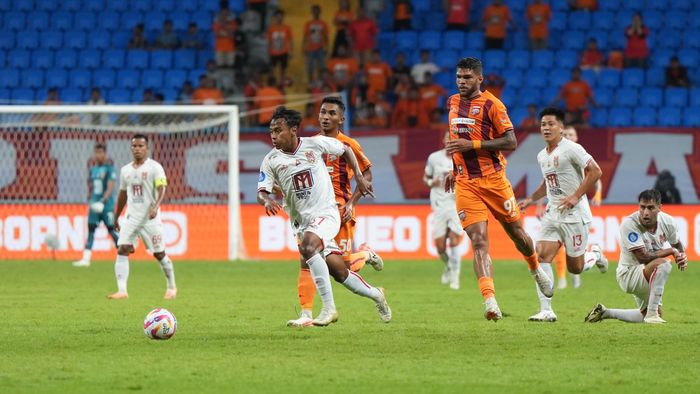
(499,119)
(362,159)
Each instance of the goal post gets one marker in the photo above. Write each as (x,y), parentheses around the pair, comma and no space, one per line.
(45,156)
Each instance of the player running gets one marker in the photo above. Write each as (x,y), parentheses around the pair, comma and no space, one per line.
(648,244)
(445,221)
(142,187)
(568,171)
(331,118)
(101,202)
(297,166)
(479,129)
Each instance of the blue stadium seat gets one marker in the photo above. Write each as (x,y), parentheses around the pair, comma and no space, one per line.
(204,56)
(651,97)
(174,78)
(559,76)
(436,21)
(37,20)
(617,40)
(186,59)
(9,78)
(684,4)
(590,76)
(644,116)
(24,5)
(513,77)
(22,95)
(56,78)
(119,96)
(518,114)
(166,5)
(599,117)
(153,20)
(653,20)
(42,58)
(162,59)
(574,39)
(97,6)
(209,5)
(99,39)
(14,20)
(494,58)
(536,78)
(143,6)
(103,78)
(5,6)
(558,23)
(659,5)
(180,18)
(519,58)
(661,39)
(509,97)
(7,40)
(202,18)
(689,57)
(72,95)
(676,97)
(453,39)
(626,97)
(604,97)
(579,20)
(633,77)
(73,5)
(119,6)
(559,5)
(694,97)
(694,22)
(32,78)
(120,39)
(445,58)
(691,118)
(406,40)
(169,95)
(691,38)
(446,80)
(74,39)
(431,40)
(2,59)
(85,20)
(624,17)
(108,20)
(137,58)
(609,78)
(675,19)
(129,20)
(137,95)
(28,40)
(66,58)
(656,76)
(543,59)
(549,94)
(18,58)
(129,79)
(661,57)
(566,58)
(601,37)
(152,79)
(475,40)
(5,95)
(620,117)
(670,117)
(80,78)
(62,20)
(114,58)
(51,40)
(603,20)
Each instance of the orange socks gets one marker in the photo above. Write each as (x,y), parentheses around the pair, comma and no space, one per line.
(560,261)
(306,288)
(486,286)
(532,262)
(357,261)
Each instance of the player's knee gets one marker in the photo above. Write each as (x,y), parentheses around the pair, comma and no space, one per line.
(440,247)
(480,241)
(307,250)
(124,250)
(665,268)
(159,255)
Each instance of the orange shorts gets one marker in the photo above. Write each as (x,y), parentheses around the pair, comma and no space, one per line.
(476,197)
(345,235)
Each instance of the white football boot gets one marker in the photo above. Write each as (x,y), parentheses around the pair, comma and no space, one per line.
(445,277)
(576,280)
(602,262)
(383,307)
(595,315)
(543,282)
(561,284)
(374,259)
(326,317)
(491,310)
(454,280)
(81,263)
(544,316)
(654,319)
(305,320)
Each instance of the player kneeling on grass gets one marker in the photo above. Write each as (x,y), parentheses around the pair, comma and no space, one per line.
(648,242)
(297,166)
(568,171)
(142,189)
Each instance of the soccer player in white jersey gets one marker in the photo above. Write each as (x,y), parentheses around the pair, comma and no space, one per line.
(568,171)
(446,224)
(142,189)
(649,244)
(297,166)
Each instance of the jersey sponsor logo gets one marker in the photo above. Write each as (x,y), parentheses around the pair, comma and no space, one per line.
(310,157)
(468,121)
(303,182)
(633,237)
(261,177)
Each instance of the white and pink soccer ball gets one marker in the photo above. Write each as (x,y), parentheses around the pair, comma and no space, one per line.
(160,323)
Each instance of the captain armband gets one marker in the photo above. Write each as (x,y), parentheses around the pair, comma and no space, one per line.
(161,182)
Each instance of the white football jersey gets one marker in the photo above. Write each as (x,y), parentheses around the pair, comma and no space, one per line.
(563,173)
(303,177)
(634,235)
(140,184)
(439,164)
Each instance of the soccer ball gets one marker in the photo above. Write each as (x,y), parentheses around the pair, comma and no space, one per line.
(160,324)
(97,207)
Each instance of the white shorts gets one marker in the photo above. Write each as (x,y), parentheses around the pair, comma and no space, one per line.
(574,236)
(444,220)
(326,226)
(151,232)
(632,281)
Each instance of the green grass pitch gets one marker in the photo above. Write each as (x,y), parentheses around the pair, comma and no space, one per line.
(60,334)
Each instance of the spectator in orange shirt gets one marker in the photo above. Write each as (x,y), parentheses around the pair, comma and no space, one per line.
(315,43)
(532,119)
(378,73)
(206,93)
(382,107)
(457,14)
(224,28)
(280,44)
(408,112)
(592,57)
(403,85)
(637,50)
(494,83)
(343,68)
(584,5)
(363,32)
(538,15)
(403,13)
(616,59)
(267,99)
(430,93)
(367,116)
(496,19)
(577,95)
(342,20)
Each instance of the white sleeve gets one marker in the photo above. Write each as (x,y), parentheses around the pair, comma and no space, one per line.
(329,145)
(580,156)
(429,168)
(159,178)
(265,179)
(122,180)
(671,230)
(630,238)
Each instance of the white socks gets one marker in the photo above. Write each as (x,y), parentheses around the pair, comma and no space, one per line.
(545,302)
(589,260)
(455,260)
(656,287)
(319,272)
(87,254)
(444,257)
(167,266)
(357,285)
(121,270)
(628,315)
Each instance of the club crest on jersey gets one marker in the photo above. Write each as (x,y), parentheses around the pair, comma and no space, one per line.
(144,175)
(261,177)
(310,157)
(633,237)
(556,161)
(475,110)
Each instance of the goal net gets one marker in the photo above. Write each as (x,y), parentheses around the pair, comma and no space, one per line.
(46,153)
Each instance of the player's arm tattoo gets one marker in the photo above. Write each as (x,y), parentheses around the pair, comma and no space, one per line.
(507,142)
(645,256)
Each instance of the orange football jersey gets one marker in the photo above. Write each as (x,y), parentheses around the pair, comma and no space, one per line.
(340,171)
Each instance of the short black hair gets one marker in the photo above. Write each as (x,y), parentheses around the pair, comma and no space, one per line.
(471,63)
(101,146)
(334,100)
(558,113)
(650,195)
(140,136)
(292,117)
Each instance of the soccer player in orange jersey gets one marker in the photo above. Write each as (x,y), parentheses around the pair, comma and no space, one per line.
(479,130)
(331,117)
